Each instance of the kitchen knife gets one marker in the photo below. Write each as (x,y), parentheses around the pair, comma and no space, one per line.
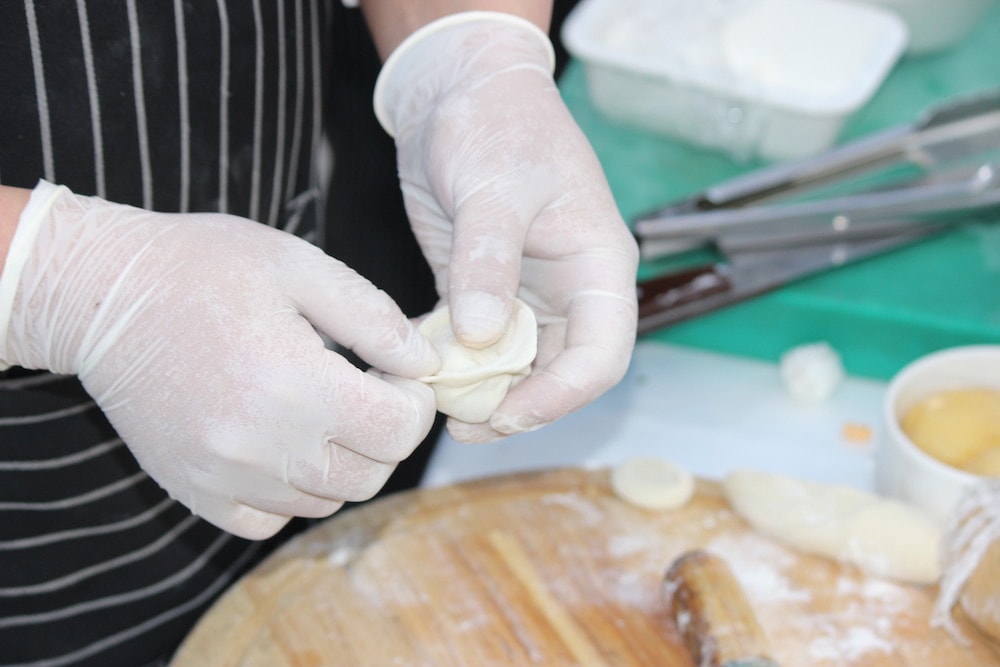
(675,297)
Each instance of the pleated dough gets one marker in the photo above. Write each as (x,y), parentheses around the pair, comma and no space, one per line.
(472,383)
(883,537)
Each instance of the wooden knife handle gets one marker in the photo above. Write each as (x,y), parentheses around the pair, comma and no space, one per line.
(682,287)
(660,295)
(712,613)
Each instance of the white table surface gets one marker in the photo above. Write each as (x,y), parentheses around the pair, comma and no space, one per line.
(708,412)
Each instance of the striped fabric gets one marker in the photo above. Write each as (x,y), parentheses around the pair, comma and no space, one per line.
(172,105)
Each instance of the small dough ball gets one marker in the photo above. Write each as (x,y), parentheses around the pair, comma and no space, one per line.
(473,382)
(883,537)
(652,483)
(811,372)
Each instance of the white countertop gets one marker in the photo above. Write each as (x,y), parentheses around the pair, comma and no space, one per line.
(705,411)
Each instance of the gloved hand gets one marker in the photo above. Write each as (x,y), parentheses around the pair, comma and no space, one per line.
(194,334)
(506,197)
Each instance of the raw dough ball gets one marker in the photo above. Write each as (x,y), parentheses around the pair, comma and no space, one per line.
(811,372)
(652,483)
(472,383)
(883,537)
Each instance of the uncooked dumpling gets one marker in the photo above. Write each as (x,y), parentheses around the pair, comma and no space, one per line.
(472,383)
(882,536)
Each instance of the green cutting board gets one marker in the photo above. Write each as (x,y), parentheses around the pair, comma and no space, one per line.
(879,313)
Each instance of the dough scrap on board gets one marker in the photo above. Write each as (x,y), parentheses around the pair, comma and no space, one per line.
(652,483)
(883,537)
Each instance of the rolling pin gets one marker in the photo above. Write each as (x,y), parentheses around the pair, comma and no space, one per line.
(712,613)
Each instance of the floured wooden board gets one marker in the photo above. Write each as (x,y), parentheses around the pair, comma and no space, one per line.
(548,568)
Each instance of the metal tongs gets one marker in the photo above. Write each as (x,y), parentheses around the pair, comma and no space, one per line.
(791,220)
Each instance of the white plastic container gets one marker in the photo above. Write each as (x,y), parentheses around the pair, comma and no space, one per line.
(934,25)
(774,79)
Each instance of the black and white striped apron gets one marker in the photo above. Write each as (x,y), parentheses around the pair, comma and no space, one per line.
(172,105)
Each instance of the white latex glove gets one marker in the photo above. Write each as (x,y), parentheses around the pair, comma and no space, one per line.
(506,197)
(194,334)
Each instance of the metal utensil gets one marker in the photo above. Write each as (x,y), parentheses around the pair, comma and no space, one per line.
(953,132)
(939,196)
(776,225)
(955,149)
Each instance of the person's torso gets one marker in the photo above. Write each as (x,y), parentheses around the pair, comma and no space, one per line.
(172,106)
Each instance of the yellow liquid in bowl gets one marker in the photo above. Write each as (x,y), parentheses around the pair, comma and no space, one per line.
(960,427)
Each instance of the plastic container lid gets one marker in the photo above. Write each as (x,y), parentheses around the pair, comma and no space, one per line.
(815,56)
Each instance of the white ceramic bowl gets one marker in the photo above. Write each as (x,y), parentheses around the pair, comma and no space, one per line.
(904,471)
(935,24)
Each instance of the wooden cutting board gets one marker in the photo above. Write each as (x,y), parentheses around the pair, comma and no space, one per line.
(548,568)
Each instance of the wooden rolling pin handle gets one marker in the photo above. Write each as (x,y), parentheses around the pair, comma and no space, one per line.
(712,613)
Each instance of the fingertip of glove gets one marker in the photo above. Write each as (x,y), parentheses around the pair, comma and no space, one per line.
(479,318)
(407,354)
(510,424)
(251,524)
(471,434)
(427,360)
(499,427)
(420,390)
(420,395)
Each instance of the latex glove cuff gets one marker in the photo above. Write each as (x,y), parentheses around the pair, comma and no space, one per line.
(430,52)
(30,221)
